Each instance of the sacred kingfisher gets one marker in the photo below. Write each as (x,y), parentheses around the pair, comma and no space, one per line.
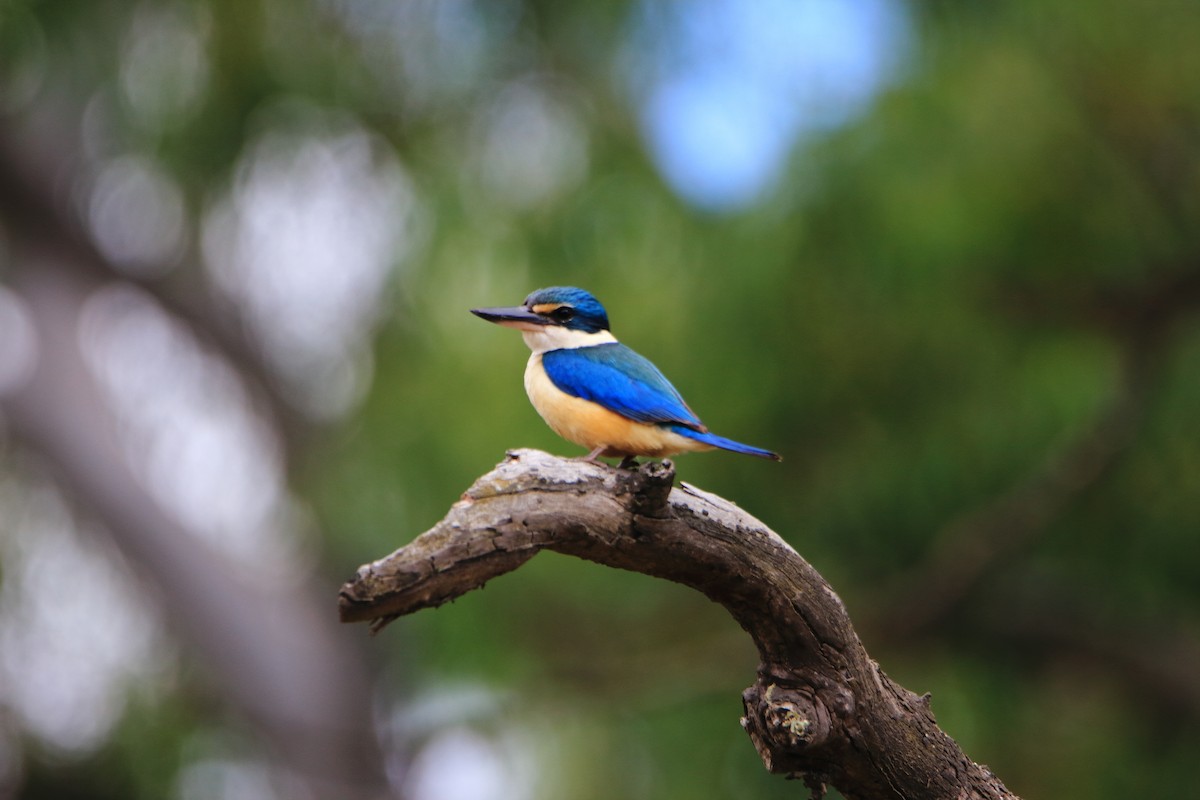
(596,392)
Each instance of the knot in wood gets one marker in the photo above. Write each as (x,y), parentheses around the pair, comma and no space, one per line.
(793,717)
(650,487)
(785,724)
(789,724)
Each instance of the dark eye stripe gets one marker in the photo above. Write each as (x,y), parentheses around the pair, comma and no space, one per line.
(556,311)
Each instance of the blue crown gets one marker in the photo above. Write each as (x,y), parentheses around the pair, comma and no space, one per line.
(583,311)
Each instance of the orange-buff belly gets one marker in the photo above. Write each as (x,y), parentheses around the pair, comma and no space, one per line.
(591,425)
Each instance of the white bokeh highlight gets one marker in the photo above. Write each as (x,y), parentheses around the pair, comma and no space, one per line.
(531,146)
(189,430)
(76,636)
(164,68)
(18,355)
(303,244)
(137,216)
(463,764)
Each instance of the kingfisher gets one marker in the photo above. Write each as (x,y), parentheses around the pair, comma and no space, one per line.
(596,392)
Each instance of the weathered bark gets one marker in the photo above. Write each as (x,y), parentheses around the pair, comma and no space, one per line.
(821,708)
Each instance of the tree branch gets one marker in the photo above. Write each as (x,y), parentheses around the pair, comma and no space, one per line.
(820,708)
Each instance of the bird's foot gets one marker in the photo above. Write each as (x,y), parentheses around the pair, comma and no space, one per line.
(592,457)
(628,462)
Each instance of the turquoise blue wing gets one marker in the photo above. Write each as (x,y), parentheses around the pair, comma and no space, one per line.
(619,379)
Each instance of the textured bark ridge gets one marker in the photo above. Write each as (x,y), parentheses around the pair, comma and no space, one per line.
(820,708)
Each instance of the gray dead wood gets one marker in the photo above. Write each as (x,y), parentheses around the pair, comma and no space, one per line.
(820,709)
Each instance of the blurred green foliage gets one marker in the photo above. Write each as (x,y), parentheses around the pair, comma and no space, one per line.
(935,302)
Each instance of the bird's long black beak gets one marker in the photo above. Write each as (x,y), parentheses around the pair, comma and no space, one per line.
(512,317)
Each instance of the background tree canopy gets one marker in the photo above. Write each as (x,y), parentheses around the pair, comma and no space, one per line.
(944,257)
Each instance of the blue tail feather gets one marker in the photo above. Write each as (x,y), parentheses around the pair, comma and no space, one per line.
(725,444)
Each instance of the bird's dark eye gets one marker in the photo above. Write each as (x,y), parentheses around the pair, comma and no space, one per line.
(562,314)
